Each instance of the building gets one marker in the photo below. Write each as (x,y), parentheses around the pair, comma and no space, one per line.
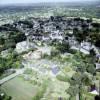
(37,37)
(97,66)
(56,35)
(24,46)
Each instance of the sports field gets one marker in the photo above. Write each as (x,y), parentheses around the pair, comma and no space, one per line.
(19,89)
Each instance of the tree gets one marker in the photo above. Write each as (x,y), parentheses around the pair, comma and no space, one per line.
(72,90)
(91,69)
(89,20)
(52,18)
(79,35)
(92,52)
(2,65)
(95,38)
(78,81)
(97,97)
(54,53)
(20,37)
(63,47)
(10,43)
(2,41)
(84,69)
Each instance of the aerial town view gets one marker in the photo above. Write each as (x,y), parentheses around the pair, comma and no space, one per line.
(49,49)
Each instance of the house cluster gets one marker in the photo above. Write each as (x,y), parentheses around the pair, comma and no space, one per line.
(55,28)
(59,28)
(51,28)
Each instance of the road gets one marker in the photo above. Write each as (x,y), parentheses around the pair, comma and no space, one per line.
(18,72)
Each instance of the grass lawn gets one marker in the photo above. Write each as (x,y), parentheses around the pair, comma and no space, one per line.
(56,89)
(19,89)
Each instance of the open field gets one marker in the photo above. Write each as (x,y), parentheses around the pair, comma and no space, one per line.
(19,89)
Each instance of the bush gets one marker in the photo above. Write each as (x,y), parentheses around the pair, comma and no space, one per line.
(97,97)
(28,71)
(54,53)
(72,51)
(63,47)
(91,68)
(45,56)
(62,78)
(2,41)
(10,43)
(72,90)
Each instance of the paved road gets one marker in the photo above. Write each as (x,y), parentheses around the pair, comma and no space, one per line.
(18,72)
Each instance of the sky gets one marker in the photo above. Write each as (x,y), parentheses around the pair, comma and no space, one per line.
(36,1)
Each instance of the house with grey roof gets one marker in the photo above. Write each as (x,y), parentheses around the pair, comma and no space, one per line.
(56,35)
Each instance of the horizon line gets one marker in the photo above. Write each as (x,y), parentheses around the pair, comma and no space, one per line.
(16,4)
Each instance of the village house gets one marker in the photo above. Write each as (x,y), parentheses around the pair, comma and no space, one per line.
(49,27)
(36,36)
(97,66)
(46,37)
(86,45)
(56,35)
(98,62)
(36,25)
(24,46)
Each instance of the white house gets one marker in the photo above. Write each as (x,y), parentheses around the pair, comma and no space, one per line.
(98,57)
(86,45)
(70,32)
(4,53)
(24,46)
(46,38)
(37,37)
(49,28)
(56,35)
(97,66)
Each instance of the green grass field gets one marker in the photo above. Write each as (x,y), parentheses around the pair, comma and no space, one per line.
(19,89)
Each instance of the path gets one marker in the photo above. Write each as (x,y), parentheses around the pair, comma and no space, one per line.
(18,72)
